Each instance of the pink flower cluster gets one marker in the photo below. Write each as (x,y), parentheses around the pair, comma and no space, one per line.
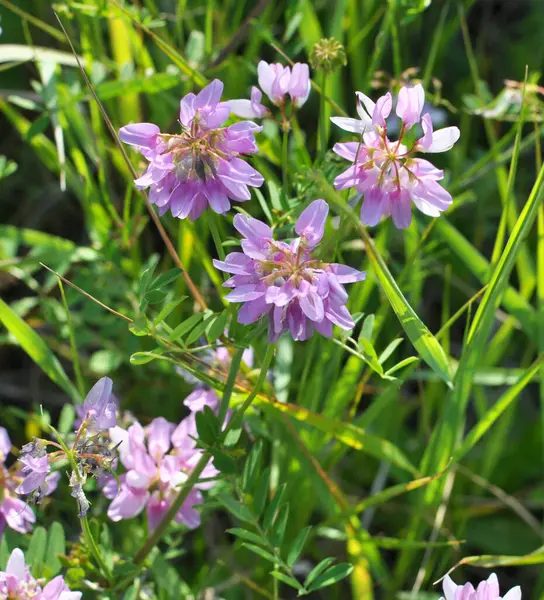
(17,583)
(385,172)
(202,164)
(283,280)
(14,512)
(486,590)
(158,460)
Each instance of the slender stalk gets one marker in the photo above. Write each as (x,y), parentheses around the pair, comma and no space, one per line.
(214,228)
(229,386)
(80,382)
(262,376)
(285,161)
(322,118)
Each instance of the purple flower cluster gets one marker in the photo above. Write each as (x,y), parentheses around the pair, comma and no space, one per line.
(158,460)
(202,164)
(486,590)
(17,583)
(385,172)
(283,280)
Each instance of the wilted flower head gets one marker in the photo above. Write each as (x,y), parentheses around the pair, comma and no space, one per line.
(277,81)
(37,479)
(284,281)
(486,590)
(158,460)
(17,583)
(202,164)
(386,172)
(328,54)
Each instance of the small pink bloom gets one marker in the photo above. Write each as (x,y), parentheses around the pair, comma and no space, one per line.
(249,109)
(285,282)
(277,81)
(386,172)
(100,406)
(201,166)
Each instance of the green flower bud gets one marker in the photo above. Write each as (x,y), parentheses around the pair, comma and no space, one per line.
(327,55)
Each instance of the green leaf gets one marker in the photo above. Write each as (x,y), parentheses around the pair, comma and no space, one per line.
(166,278)
(366,328)
(147,276)
(286,579)
(224,463)
(261,492)
(207,426)
(280,525)
(261,552)
(139,327)
(298,545)
(35,555)
(331,576)
(155,296)
(104,362)
(36,348)
(166,310)
(232,437)
(66,419)
(238,510)
(246,535)
(273,508)
(216,329)
(252,467)
(199,330)
(185,326)
(142,358)
(56,544)
(389,350)
(370,354)
(317,570)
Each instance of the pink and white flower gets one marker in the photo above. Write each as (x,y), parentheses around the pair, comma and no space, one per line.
(285,282)
(201,166)
(385,172)
(158,460)
(277,81)
(486,590)
(17,583)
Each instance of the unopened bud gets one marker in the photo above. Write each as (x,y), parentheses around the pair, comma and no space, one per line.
(327,55)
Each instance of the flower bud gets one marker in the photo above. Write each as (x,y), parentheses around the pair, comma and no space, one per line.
(328,55)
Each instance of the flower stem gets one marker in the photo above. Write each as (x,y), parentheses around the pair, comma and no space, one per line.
(214,228)
(93,547)
(231,380)
(285,161)
(322,146)
(262,376)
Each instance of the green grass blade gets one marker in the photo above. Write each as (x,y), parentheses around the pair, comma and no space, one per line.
(36,348)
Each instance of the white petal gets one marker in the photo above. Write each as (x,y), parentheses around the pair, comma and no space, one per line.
(16,564)
(513,594)
(449,588)
(444,139)
(347,124)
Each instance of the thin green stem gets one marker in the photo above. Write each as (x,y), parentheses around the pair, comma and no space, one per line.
(229,385)
(285,162)
(322,118)
(80,382)
(262,376)
(214,228)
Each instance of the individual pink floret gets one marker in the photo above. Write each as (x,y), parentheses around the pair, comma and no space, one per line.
(385,172)
(277,81)
(201,166)
(486,590)
(285,282)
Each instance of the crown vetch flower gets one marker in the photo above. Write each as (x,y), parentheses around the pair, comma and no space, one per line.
(486,590)
(277,81)
(385,172)
(17,583)
(249,109)
(283,281)
(158,460)
(202,164)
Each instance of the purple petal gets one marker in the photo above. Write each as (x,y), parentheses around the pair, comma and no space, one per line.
(346,150)
(382,110)
(158,441)
(127,504)
(18,514)
(299,84)
(373,207)
(280,296)
(187,514)
(340,316)
(345,274)
(312,306)
(5,444)
(266,77)
(217,198)
(401,208)
(253,311)
(139,134)
(201,397)
(156,508)
(252,229)
(209,97)
(244,293)
(187,109)
(324,327)
(311,223)
(235,262)
(410,104)
(30,483)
